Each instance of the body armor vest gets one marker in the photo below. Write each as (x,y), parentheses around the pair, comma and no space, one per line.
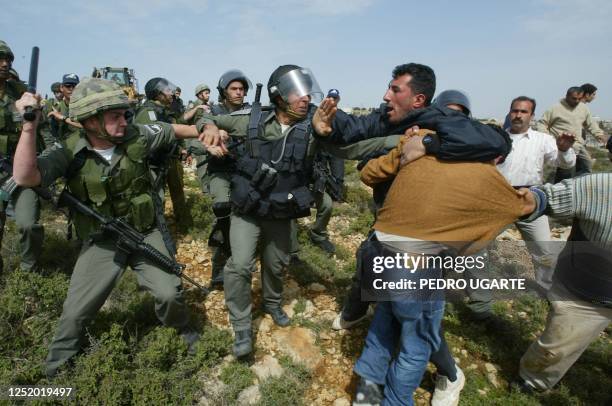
(272,176)
(122,189)
(10,127)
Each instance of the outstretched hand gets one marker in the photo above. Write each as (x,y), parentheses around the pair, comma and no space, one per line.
(214,139)
(565,141)
(324,116)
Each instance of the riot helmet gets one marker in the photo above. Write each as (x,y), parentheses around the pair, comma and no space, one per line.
(156,86)
(232,76)
(294,80)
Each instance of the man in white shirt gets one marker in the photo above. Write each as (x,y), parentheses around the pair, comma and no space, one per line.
(524,166)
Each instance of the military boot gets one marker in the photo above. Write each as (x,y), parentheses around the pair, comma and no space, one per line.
(243,343)
(191,338)
(279,316)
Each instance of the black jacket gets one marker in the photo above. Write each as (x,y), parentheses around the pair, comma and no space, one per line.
(460,137)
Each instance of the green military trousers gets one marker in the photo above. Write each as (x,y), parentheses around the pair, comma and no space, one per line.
(94,276)
(176,188)
(26,205)
(218,186)
(246,232)
(318,232)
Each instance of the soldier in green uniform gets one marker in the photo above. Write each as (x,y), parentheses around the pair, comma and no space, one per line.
(160,94)
(24,201)
(202,94)
(53,102)
(104,165)
(269,188)
(60,123)
(215,176)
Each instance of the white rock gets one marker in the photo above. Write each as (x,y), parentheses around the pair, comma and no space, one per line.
(309,308)
(267,367)
(492,378)
(490,368)
(317,287)
(249,396)
(342,402)
(289,310)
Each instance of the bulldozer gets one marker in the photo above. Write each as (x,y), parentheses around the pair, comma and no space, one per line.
(122,76)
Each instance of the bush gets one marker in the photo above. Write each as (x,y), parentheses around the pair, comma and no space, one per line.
(287,389)
(237,376)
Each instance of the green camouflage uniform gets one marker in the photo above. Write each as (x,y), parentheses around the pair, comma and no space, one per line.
(25,202)
(121,188)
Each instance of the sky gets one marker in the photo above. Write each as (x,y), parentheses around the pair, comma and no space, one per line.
(492,50)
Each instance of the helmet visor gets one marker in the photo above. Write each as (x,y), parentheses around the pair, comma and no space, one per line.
(166,87)
(298,83)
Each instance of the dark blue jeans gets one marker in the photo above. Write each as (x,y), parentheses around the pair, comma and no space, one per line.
(412,326)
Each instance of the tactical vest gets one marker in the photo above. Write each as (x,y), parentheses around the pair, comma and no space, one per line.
(125,191)
(10,126)
(585,268)
(272,176)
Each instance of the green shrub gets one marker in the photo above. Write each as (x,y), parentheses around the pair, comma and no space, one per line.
(237,376)
(289,388)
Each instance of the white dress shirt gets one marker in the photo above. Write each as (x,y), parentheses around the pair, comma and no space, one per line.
(524,166)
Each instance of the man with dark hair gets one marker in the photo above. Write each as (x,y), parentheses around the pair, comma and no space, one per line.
(423,79)
(524,167)
(588,92)
(568,117)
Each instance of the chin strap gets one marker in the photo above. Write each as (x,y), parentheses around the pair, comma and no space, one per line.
(284,106)
(103,135)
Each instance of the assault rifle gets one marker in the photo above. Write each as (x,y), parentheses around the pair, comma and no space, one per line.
(324,180)
(128,239)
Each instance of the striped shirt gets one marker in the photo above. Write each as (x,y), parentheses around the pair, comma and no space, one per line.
(588,199)
(524,166)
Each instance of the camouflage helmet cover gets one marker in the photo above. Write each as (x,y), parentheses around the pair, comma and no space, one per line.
(55,87)
(6,50)
(201,87)
(93,96)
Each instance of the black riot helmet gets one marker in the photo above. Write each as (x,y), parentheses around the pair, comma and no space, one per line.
(232,76)
(156,86)
(293,79)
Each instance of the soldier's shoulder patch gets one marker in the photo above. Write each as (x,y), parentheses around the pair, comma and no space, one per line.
(153,129)
(152,115)
(243,112)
